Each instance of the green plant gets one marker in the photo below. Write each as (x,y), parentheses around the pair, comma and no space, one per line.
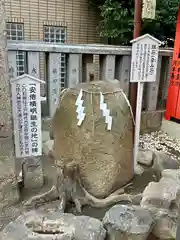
(117,20)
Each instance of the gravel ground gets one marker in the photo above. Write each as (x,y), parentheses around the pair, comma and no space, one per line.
(161,142)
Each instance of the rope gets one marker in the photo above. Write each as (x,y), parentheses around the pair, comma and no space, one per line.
(105,93)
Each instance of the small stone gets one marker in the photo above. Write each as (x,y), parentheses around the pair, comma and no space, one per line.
(165,226)
(139,170)
(128,222)
(32,174)
(45,136)
(48,148)
(145,157)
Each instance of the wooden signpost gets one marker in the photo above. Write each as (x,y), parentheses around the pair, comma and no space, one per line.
(26,103)
(143,69)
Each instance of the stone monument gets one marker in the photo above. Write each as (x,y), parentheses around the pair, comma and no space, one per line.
(93,126)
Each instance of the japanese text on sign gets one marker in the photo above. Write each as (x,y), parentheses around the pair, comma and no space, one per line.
(144,62)
(33,119)
(27,119)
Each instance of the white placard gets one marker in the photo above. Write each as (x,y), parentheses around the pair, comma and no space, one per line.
(143,69)
(149,9)
(144,59)
(26,103)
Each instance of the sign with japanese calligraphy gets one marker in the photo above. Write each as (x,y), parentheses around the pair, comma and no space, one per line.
(144,59)
(149,9)
(26,103)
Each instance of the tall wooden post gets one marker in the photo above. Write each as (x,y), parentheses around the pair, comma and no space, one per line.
(137,32)
(8,182)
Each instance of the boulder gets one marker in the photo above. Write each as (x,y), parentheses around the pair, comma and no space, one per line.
(165,226)
(128,222)
(105,157)
(163,161)
(9,192)
(163,193)
(159,194)
(36,225)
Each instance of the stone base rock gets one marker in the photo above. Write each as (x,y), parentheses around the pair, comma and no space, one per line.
(163,193)
(163,199)
(128,222)
(68,226)
(160,194)
(33,177)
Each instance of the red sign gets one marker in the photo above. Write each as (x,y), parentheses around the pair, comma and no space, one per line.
(173,101)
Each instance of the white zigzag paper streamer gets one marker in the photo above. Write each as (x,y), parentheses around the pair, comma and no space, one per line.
(80,109)
(106,112)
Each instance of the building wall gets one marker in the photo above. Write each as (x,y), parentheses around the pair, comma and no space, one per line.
(34,17)
(80,20)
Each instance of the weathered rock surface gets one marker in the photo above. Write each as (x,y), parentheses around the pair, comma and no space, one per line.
(128,222)
(104,157)
(163,161)
(53,226)
(165,225)
(9,193)
(32,173)
(163,193)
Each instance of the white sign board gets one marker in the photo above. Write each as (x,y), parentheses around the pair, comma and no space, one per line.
(144,59)
(144,62)
(149,9)
(26,103)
